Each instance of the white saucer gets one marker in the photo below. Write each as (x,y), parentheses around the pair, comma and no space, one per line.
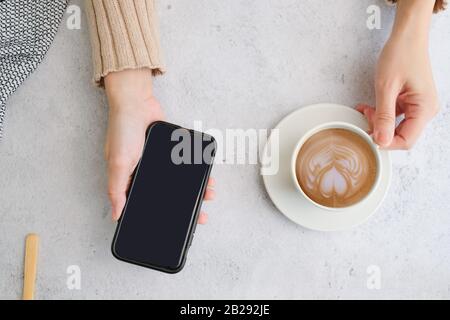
(290,201)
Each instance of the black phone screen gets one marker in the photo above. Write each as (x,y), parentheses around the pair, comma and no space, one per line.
(160,215)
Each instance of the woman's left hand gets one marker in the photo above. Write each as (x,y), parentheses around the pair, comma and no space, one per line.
(132,108)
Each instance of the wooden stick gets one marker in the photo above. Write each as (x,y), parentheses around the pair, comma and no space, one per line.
(30,266)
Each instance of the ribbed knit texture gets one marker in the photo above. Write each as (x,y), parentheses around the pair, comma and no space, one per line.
(124,35)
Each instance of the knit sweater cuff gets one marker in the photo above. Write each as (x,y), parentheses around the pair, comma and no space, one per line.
(124,35)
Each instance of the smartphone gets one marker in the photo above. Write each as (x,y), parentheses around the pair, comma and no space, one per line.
(160,216)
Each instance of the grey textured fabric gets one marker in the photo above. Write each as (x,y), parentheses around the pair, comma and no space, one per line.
(27,28)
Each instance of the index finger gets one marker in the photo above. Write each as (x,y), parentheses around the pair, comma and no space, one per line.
(119,179)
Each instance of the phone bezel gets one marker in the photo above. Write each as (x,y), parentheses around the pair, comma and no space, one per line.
(196,211)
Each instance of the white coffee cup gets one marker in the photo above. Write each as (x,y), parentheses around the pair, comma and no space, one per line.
(336,125)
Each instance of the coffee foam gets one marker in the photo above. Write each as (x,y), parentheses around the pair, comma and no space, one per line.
(336,168)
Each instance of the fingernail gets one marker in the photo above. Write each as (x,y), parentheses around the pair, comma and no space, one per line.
(113,216)
(382,138)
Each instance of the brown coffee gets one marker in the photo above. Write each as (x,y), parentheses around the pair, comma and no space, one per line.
(336,168)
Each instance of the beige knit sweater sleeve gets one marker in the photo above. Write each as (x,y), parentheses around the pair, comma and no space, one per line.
(124,35)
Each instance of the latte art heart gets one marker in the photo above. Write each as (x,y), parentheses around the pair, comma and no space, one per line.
(336,168)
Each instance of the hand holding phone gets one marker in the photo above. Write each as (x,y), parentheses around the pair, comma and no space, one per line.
(163,204)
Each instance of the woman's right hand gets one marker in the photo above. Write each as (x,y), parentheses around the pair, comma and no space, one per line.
(404,82)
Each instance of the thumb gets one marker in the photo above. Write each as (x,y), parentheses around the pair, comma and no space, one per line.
(384,124)
(119,177)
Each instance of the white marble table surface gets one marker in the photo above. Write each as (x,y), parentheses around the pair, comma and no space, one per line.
(232,64)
